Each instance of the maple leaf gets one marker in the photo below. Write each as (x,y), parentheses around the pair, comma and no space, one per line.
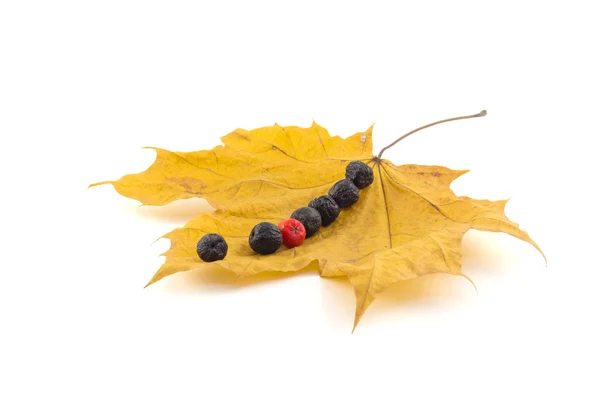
(408,223)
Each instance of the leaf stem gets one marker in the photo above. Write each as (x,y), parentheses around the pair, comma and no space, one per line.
(479,114)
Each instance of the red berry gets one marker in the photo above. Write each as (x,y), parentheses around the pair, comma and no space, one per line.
(293,232)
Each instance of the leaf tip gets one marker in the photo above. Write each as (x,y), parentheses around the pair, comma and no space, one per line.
(315,124)
(154,279)
(502,203)
(534,244)
(458,173)
(543,255)
(158,238)
(471,281)
(357,317)
(100,183)
(160,274)
(157,150)
(537,247)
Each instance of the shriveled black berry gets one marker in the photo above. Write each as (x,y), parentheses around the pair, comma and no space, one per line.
(265,238)
(360,174)
(344,192)
(310,218)
(212,247)
(327,207)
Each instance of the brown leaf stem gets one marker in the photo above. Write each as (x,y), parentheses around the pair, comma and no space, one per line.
(479,114)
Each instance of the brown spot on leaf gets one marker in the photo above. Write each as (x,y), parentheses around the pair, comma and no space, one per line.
(191,185)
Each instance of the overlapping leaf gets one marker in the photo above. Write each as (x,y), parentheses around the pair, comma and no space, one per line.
(408,223)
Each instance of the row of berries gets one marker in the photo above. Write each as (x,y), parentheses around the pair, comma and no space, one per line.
(266,238)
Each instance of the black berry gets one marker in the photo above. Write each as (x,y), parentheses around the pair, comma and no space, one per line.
(344,192)
(212,247)
(327,207)
(265,238)
(360,174)
(310,218)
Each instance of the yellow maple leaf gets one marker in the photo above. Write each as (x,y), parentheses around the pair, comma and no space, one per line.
(408,223)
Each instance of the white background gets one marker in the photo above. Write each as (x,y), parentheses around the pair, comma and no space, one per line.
(84,85)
